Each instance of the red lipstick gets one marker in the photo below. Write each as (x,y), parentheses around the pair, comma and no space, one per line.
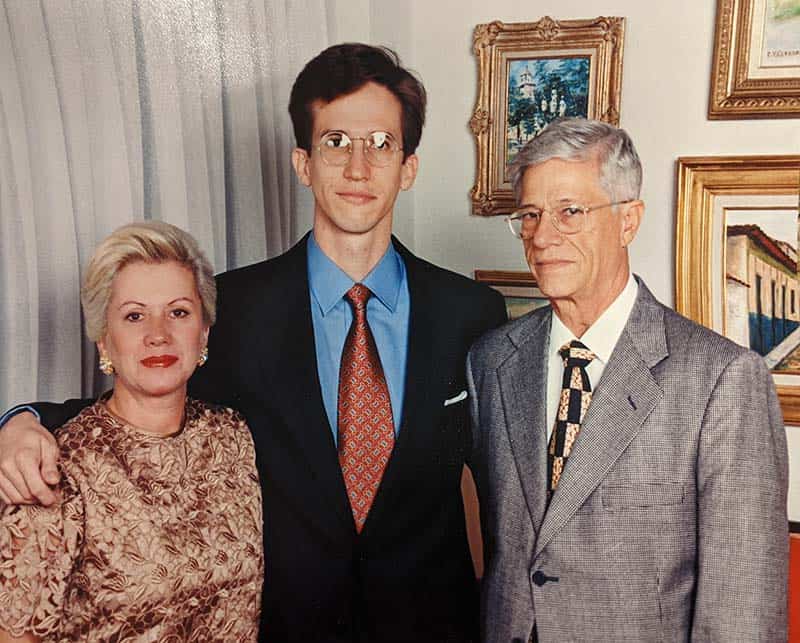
(159,361)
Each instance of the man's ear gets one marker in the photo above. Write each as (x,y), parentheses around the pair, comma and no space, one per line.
(408,171)
(631,220)
(300,162)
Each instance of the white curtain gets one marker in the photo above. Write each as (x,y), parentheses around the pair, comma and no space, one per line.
(120,110)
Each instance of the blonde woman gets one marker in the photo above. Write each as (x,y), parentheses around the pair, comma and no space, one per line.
(157,532)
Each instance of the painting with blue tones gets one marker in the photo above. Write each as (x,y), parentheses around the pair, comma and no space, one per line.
(541,90)
(762,284)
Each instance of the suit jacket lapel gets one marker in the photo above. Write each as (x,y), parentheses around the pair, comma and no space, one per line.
(421,356)
(624,398)
(296,381)
(420,393)
(523,390)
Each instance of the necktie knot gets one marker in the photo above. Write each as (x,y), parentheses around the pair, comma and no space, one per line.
(577,354)
(358,296)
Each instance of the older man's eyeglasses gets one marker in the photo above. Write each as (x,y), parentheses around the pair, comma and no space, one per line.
(380,148)
(567,219)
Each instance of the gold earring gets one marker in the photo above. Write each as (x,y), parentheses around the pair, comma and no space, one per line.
(105,364)
(203,356)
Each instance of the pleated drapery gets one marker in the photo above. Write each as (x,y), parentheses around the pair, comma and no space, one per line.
(120,110)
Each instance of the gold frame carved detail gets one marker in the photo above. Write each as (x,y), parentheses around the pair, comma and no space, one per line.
(737,92)
(494,44)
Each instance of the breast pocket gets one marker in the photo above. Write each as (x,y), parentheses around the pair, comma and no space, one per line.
(642,495)
(454,431)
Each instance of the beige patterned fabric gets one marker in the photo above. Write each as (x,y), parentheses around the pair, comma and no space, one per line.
(153,539)
(576,395)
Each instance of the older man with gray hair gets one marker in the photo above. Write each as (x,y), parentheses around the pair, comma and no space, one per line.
(631,464)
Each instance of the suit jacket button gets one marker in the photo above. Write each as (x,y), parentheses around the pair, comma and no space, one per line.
(539,578)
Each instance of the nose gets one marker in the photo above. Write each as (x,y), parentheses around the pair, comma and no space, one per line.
(157,332)
(357,168)
(545,233)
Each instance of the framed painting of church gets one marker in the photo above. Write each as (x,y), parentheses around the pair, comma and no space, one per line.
(529,74)
(737,258)
(756,66)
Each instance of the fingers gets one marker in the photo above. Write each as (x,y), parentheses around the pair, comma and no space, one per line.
(28,455)
(49,454)
(5,498)
(13,485)
(33,480)
(21,481)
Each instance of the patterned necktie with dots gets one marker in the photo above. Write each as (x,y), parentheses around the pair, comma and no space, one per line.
(576,395)
(365,424)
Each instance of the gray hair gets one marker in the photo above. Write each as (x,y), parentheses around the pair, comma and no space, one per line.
(148,242)
(580,139)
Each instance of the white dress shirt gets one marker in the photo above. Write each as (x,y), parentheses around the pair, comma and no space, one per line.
(601,338)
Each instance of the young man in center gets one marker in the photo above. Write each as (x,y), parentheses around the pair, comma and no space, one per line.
(364,524)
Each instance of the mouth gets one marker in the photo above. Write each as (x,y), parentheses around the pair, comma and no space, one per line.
(550,263)
(159,361)
(356,198)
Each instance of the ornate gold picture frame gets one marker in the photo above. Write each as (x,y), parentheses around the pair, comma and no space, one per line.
(736,267)
(756,69)
(530,73)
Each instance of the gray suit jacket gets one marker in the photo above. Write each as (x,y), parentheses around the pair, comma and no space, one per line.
(669,522)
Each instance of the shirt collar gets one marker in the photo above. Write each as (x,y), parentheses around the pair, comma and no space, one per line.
(329,283)
(602,336)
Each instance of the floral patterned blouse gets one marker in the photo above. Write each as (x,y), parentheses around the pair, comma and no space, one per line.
(153,538)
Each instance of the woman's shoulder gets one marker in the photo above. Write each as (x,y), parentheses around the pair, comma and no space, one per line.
(213,415)
(223,427)
(217,419)
(89,431)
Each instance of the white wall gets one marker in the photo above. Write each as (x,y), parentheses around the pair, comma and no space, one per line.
(666,74)
(666,77)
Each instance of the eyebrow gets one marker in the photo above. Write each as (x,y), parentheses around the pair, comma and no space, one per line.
(132,302)
(346,133)
(563,200)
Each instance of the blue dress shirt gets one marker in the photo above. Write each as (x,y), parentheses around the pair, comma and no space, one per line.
(387,313)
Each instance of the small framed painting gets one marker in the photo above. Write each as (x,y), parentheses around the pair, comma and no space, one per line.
(756,68)
(530,74)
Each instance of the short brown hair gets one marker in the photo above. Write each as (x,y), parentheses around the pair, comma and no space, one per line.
(149,242)
(343,69)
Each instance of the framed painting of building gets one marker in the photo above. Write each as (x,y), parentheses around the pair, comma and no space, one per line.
(519,289)
(756,66)
(529,74)
(737,257)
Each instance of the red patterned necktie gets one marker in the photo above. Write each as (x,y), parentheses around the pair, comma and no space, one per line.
(366,427)
(576,395)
